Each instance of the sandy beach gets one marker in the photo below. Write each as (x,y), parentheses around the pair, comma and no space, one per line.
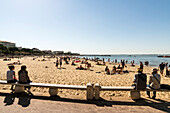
(75,101)
(46,72)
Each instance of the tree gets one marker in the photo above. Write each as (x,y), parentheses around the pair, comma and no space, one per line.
(13,50)
(4,49)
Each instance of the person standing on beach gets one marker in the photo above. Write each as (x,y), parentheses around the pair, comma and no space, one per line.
(154,82)
(103,59)
(123,63)
(108,59)
(167,71)
(57,62)
(11,76)
(60,62)
(141,65)
(162,66)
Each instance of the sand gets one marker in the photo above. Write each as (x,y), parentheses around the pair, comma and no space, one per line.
(46,72)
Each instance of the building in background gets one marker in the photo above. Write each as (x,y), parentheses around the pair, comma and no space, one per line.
(7,44)
(58,52)
(36,49)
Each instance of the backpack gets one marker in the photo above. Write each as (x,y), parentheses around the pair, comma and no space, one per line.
(141,82)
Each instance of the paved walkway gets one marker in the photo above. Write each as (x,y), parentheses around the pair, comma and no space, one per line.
(12,103)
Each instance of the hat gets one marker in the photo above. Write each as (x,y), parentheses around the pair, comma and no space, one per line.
(155,70)
(140,70)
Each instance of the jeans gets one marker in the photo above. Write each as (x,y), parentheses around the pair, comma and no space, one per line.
(148,92)
(12,81)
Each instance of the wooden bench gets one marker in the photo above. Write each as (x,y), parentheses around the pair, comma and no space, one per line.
(135,94)
(53,88)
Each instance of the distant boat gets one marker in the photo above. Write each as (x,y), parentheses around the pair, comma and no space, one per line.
(164,56)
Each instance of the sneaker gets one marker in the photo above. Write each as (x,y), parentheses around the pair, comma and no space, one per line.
(153,97)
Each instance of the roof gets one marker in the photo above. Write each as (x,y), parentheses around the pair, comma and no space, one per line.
(6,41)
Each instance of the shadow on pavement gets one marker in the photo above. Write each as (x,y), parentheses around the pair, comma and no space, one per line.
(25,98)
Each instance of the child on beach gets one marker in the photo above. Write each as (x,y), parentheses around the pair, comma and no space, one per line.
(11,76)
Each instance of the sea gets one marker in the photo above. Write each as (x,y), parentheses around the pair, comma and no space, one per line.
(153,59)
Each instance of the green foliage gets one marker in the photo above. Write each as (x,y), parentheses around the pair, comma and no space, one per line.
(4,49)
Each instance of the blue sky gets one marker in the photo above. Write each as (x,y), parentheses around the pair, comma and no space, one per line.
(88,26)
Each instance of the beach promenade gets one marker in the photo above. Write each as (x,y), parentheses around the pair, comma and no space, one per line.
(10,103)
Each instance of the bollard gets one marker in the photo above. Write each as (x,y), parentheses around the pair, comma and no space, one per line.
(97,91)
(19,89)
(53,91)
(135,95)
(90,91)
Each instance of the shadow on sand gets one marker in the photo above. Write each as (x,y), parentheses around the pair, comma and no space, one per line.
(25,98)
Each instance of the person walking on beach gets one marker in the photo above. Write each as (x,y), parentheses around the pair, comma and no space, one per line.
(154,82)
(23,77)
(140,80)
(11,76)
(162,66)
(60,62)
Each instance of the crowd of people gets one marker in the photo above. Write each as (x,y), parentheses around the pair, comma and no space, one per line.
(140,79)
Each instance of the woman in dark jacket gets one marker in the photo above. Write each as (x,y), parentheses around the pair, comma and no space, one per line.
(23,76)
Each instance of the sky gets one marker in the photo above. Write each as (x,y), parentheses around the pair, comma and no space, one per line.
(88,26)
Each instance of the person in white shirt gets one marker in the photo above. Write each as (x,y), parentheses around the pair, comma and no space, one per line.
(154,82)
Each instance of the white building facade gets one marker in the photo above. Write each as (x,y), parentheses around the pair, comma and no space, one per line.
(7,44)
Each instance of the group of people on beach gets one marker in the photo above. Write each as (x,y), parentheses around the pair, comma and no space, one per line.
(23,77)
(140,81)
(59,61)
(119,69)
(163,66)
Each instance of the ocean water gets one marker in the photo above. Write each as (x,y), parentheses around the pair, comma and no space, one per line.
(152,59)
